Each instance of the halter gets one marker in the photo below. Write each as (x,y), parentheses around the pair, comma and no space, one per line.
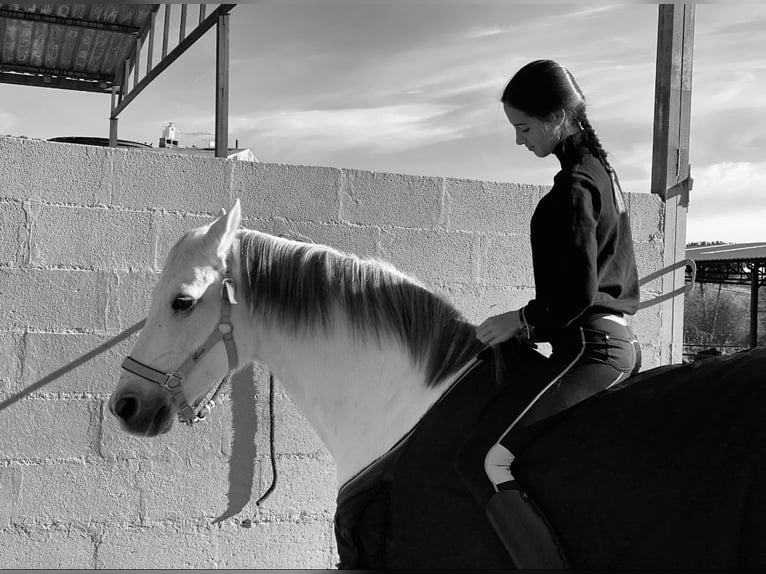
(173,381)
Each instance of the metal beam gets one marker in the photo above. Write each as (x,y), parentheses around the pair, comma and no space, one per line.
(65,21)
(670,157)
(43,81)
(222,86)
(43,71)
(174,54)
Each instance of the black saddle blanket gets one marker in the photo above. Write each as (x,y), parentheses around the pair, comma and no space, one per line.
(664,471)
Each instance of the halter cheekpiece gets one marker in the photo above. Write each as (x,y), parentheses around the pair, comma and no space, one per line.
(172,381)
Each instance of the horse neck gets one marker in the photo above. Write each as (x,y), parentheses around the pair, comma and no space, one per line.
(359,397)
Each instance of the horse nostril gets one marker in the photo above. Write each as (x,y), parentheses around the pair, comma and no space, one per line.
(125,408)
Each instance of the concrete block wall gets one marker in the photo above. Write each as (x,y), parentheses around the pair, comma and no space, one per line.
(83,234)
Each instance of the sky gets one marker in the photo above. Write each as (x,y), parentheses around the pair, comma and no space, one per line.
(413,87)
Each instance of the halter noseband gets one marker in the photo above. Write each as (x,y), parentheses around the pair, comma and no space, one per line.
(172,381)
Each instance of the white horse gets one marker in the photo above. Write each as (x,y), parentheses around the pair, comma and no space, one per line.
(372,358)
(334,329)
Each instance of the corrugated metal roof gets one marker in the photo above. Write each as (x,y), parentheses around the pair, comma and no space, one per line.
(728,252)
(73,46)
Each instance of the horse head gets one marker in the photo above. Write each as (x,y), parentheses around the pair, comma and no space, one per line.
(187,343)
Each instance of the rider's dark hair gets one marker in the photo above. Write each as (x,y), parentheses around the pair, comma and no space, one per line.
(543,87)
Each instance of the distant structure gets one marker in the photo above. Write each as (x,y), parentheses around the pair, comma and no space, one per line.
(169,143)
(169,136)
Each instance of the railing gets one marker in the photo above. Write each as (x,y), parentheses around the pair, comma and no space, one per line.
(134,83)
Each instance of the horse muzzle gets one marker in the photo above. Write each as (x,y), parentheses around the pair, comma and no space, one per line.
(145,414)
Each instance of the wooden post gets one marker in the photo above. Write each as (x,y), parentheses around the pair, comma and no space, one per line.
(222,86)
(670,160)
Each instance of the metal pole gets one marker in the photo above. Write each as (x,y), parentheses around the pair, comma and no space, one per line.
(113,132)
(754,284)
(222,86)
(113,120)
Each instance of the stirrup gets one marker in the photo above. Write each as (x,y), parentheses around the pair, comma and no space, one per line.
(524,531)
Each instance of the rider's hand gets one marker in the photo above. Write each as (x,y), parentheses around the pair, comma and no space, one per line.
(499,328)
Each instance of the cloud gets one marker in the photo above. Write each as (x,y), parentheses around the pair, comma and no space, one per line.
(383,129)
(728,203)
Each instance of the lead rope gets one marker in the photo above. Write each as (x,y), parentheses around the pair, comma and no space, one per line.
(272,452)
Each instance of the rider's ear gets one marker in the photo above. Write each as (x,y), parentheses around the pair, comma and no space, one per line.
(223,230)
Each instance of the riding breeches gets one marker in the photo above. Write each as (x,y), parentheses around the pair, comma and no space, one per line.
(598,353)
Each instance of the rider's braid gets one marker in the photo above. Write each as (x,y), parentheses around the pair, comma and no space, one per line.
(593,143)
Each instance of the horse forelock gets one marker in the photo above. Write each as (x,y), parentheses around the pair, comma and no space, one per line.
(305,287)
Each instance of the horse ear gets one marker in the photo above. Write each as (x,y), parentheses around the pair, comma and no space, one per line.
(223,230)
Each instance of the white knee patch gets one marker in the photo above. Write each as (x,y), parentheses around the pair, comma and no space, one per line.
(497,464)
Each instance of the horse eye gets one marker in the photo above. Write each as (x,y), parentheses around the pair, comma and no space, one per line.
(183,303)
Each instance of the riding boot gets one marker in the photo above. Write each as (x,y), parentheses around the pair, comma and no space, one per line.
(524,530)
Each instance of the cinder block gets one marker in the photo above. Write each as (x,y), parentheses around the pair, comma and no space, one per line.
(479,303)
(298,193)
(46,353)
(490,207)
(649,261)
(52,299)
(506,261)
(83,493)
(202,440)
(291,496)
(55,172)
(13,233)
(352,239)
(146,179)
(130,297)
(433,256)
(48,429)
(170,228)
(161,546)
(277,545)
(10,485)
(60,547)
(647,323)
(94,238)
(370,198)
(193,488)
(10,362)
(264,225)
(647,216)
(652,356)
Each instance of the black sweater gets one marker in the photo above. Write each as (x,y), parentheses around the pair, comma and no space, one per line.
(582,248)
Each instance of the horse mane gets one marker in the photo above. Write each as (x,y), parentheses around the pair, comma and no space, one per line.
(301,286)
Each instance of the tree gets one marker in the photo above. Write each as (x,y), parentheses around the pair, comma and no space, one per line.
(717,316)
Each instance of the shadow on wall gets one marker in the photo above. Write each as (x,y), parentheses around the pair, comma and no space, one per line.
(243,449)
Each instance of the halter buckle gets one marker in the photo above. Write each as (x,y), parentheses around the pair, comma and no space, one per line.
(173,381)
